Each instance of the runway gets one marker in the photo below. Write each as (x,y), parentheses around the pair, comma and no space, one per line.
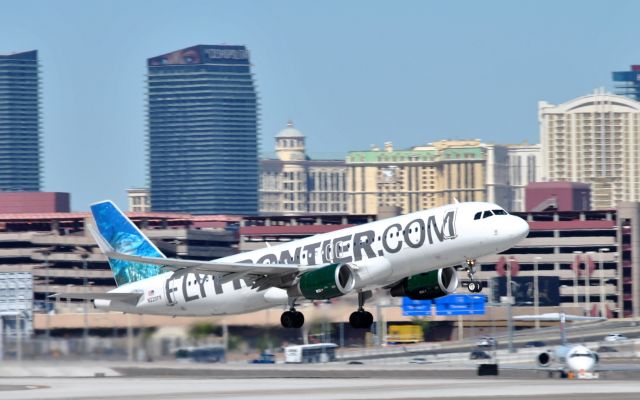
(326,389)
(169,380)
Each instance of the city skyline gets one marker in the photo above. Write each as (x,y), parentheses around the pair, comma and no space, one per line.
(349,75)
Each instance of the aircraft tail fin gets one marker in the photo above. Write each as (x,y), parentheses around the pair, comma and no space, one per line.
(116,233)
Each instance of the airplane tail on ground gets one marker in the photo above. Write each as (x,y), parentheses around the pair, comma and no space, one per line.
(117,233)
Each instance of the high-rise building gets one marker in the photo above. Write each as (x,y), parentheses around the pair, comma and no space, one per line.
(203,131)
(628,82)
(524,168)
(19,122)
(292,183)
(416,179)
(593,139)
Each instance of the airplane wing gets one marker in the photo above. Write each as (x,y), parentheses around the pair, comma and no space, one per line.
(617,368)
(557,317)
(531,368)
(123,297)
(264,275)
(261,275)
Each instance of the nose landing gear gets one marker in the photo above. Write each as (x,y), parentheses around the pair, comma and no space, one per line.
(474,285)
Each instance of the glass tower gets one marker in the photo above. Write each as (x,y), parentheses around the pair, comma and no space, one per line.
(203,131)
(19,122)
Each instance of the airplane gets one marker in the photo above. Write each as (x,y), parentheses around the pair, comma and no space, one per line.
(416,255)
(570,360)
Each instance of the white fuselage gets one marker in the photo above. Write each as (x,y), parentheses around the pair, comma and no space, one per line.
(380,253)
(575,358)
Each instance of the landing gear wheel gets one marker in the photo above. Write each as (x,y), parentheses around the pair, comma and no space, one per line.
(287,319)
(361,319)
(475,287)
(298,319)
(292,319)
(367,320)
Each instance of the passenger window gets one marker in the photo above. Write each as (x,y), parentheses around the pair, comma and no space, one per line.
(487,214)
(478,215)
(499,212)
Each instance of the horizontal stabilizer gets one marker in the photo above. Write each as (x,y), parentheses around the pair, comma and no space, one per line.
(123,297)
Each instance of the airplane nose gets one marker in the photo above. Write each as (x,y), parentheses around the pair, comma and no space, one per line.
(519,228)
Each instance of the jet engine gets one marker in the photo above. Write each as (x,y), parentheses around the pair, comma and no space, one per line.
(325,283)
(427,286)
(544,359)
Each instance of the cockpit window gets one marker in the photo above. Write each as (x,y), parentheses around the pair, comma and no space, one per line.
(588,355)
(489,213)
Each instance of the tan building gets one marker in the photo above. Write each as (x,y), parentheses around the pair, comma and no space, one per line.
(416,179)
(593,139)
(139,200)
(294,184)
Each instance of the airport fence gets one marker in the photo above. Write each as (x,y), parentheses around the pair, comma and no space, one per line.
(135,348)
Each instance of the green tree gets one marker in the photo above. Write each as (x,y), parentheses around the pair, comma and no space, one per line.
(424,323)
(264,342)
(234,342)
(202,330)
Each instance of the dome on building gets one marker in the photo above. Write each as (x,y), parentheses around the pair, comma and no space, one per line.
(289,132)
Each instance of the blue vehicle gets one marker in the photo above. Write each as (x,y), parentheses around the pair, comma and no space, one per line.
(210,354)
(265,358)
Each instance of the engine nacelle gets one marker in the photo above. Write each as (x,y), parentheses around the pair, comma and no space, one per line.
(427,286)
(544,359)
(334,280)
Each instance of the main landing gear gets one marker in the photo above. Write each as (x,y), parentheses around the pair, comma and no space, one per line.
(292,318)
(474,285)
(361,319)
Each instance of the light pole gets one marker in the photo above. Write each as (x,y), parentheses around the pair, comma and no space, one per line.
(603,305)
(536,290)
(46,254)
(85,330)
(575,278)
(509,303)
(587,283)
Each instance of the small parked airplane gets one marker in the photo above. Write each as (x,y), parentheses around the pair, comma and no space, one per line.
(412,255)
(570,360)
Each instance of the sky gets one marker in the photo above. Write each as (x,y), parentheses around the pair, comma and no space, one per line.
(348,73)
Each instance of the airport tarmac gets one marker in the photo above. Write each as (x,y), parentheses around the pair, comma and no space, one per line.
(325,389)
